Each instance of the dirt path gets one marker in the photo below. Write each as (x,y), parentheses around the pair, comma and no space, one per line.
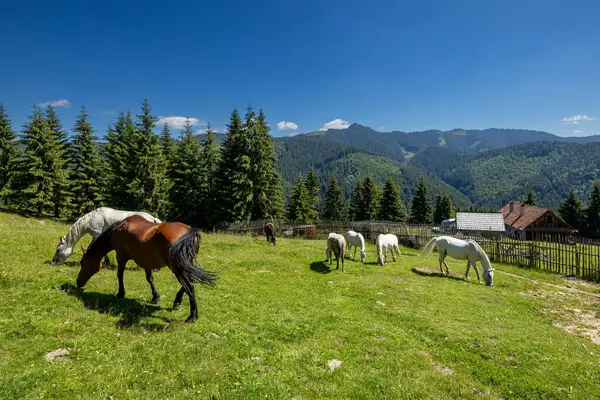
(567,288)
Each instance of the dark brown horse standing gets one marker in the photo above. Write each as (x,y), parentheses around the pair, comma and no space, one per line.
(152,246)
(269,229)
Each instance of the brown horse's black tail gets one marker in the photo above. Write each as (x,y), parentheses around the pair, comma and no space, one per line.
(182,255)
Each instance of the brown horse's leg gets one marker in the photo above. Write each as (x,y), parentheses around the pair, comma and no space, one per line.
(189,289)
(150,279)
(178,298)
(122,261)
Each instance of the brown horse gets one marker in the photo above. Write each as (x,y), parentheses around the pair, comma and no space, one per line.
(269,229)
(152,246)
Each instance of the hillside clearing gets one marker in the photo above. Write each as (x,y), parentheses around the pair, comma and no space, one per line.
(281,324)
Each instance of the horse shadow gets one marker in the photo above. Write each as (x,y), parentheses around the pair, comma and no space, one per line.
(131,311)
(321,267)
(425,271)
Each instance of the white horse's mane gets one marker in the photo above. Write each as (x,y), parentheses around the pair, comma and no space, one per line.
(75,232)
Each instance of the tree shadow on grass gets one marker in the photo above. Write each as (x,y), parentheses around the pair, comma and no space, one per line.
(321,267)
(130,311)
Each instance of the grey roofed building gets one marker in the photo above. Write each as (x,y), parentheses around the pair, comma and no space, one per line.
(472,221)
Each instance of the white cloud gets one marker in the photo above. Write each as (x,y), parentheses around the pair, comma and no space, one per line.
(292,134)
(335,124)
(56,103)
(576,132)
(287,126)
(575,119)
(178,122)
(203,131)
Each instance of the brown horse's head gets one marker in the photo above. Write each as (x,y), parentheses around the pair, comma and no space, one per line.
(89,266)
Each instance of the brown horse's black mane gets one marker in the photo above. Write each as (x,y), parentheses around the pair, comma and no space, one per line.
(100,246)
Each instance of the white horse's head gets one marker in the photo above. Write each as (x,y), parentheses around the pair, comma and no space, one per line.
(62,252)
(327,252)
(488,276)
(363,255)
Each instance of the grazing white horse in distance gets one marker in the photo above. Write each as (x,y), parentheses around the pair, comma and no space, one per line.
(336,245)
(461,250)
(385,242)
(356,240)
(95,222)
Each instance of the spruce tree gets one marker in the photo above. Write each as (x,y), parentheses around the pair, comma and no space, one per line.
(420,210)
(32,183)
(267,197)
(370,198)
(391,207)
(8,154)
(298,207)
(120,170)
(334,207)
(58,164)
(86,167)
(356,208)
(210,158)
(572,211)
(233,176)
(187,178)
(167,144)
(593,213)
(443,209)
(149,188)
(530,200)
(313,188)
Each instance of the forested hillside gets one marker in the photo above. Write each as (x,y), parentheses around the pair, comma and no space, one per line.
(551,169)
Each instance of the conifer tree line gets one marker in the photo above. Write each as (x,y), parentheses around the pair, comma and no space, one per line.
(44,170)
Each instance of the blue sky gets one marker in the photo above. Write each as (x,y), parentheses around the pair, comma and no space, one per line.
(391,65)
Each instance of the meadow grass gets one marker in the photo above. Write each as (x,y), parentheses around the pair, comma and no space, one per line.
(275,319)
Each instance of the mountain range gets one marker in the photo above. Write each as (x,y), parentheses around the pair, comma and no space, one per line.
(483,168)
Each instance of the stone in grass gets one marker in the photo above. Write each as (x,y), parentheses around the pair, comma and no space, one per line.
(58,354)
(333,364)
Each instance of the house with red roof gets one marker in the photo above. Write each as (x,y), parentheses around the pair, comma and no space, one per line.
(529,222)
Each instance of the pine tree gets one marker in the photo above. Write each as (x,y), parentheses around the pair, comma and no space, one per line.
(443,209)
(8,154)
(391,207)
(313,188)
(420,210)
(233,176)
(187,176)
(32,183)
(267,197)
(530,200)
(120,141)
(572,211)
(370,198)
(298,207)
(58,164)
(593,213)
(210,158)
(86,167)
(356,208)
(149,188)
(334,207)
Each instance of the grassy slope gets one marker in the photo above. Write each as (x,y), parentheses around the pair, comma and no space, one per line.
(427,338)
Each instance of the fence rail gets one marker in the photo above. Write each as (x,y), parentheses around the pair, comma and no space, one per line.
(572,256)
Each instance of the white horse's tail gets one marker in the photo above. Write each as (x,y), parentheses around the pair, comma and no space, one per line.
(428,247)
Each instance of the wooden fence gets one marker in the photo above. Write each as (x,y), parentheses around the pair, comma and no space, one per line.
(572,256)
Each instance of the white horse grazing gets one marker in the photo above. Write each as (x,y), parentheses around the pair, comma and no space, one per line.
(383,243)
(95,222)
(336,245)
(461,250)
(356,240)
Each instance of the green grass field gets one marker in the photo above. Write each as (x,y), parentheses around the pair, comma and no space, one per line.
(277,317)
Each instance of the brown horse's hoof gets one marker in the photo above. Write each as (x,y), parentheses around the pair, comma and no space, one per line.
(155,300)
(176,306)
(191,318)
(120,295)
